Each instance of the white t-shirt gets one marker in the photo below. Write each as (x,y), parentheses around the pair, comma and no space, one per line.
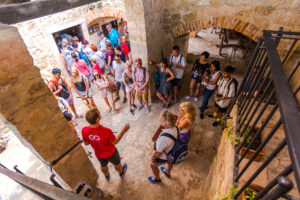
(119,69)
(178,72)
(165,144)
(102,45)
(212,77)
(223,90)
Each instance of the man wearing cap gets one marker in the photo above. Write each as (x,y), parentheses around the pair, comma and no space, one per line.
(102,45)
(60,88)
(141,81)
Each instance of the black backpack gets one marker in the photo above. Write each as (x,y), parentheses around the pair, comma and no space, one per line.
(179,150)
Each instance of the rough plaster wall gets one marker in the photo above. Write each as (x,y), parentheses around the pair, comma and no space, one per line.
(29,106)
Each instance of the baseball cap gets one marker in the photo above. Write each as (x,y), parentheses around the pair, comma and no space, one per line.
(56,71)
(100,33)
(138,60)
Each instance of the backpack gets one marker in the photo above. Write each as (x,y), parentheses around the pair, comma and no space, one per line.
(64,93)
(181,56)
(179,150)
(83,56)
(157,76)
(236,83)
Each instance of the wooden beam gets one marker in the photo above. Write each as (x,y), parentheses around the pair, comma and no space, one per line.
(16,13)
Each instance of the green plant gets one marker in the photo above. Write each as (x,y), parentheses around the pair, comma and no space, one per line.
(230,135)
(250,193)
(233,191)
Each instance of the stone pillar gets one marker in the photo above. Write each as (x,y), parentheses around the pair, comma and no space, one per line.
(27,103)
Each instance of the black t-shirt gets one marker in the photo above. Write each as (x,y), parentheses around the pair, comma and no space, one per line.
(199,68)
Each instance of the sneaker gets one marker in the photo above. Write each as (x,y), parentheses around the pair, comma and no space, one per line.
(148,109)
(117,99)
(124,100)
(133,105)
(124,169)
(153,179)
(141,107)
(196,99)
(131,111)
(210,116)
(201,116)
(187,97)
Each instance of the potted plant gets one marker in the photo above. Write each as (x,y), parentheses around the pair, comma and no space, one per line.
(251,191)
(255,144)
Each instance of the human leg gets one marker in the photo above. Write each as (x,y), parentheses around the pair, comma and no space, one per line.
(162,98)
(192,85)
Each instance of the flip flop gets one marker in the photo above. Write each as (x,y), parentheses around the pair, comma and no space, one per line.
(79,116)
(124,169)
(153,180)
(164,170)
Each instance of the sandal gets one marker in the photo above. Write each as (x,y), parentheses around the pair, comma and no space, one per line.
(168,105)
(153,179)
(107,177)
(164,170)
(79,116)
(116,111)
(124,169)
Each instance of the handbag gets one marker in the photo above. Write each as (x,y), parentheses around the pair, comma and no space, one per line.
(111,86)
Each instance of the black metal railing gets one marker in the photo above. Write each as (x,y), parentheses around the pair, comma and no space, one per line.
(267,94)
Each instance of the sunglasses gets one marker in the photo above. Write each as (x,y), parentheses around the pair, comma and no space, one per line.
(117,59)
(96,75)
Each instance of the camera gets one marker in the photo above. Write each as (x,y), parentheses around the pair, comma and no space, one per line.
(219,95)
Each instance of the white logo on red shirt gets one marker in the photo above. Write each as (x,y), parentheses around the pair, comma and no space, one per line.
(94,137)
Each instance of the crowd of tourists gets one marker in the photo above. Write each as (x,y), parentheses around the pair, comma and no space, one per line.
(109,67)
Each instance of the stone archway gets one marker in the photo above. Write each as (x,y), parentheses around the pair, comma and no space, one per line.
(93,16)
(247,29)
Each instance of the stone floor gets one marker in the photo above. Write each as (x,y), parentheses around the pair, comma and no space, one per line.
(135,149)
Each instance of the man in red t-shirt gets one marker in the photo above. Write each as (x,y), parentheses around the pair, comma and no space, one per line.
(103,142)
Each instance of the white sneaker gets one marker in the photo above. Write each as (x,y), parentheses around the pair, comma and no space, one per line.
(196,99)
(187,97)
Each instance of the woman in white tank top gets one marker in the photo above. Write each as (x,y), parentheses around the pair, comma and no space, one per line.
(102,83)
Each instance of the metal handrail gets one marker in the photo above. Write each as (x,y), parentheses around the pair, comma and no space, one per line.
(252,99)
(287,105)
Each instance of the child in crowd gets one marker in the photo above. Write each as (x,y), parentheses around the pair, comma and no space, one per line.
(185,119)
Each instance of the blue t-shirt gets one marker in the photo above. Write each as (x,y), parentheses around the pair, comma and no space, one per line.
(113,37)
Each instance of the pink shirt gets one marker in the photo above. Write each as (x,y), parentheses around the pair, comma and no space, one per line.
(140,79)
(82,67)
(97,67)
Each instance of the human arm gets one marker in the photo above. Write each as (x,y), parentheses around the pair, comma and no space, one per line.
(182,124)
(215,80)
(86,82)
(52,88)
(124,80)
(171,74)
(146,81)
(120,135)
(153,63)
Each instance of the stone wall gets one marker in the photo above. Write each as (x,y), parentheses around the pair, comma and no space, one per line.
(247,17)
(31,110)
(220,177)
(37,33)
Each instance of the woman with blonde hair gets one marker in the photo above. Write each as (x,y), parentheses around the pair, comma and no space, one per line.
(186,117)
(81,86)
